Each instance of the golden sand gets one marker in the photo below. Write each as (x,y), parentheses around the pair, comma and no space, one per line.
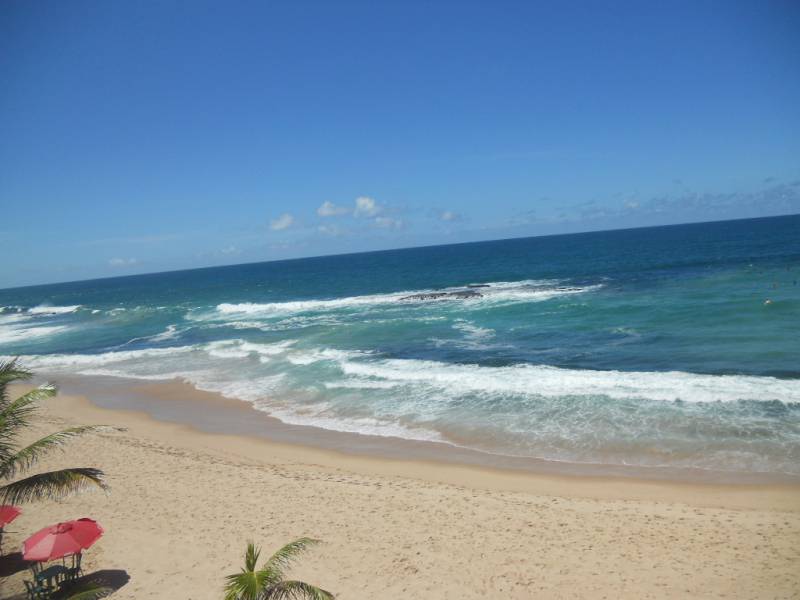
(183,504)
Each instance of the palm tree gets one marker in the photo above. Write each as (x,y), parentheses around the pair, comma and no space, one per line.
(15,415)
(268,583)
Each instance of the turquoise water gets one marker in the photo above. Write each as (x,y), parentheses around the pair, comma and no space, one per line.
(648,347)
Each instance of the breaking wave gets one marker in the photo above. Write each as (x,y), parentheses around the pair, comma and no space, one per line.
(52,310)
(489,293)
(656,418)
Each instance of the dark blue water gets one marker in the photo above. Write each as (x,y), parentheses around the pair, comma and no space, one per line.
(662,346)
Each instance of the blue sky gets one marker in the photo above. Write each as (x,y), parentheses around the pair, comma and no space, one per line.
(149,136)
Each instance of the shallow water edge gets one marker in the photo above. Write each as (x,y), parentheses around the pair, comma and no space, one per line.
(178,402)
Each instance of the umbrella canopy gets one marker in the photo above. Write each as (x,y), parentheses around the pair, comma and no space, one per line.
(7,514)
(61,540)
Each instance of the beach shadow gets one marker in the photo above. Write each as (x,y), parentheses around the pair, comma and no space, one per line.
(12,563)
(113,579)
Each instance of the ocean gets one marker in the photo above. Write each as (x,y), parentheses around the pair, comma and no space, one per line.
(672,346)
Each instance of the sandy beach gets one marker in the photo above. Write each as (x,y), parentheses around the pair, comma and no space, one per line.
(183,503)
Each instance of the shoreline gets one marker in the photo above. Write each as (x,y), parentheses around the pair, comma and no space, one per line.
(422,463)
(183,503)
(176,401)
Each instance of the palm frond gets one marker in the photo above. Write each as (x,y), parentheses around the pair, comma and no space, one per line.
(26,457)
(296,590)
(15,413)
(15,416)
(245,585)
(10,370)
(251,556)
(53,485)
(279,562)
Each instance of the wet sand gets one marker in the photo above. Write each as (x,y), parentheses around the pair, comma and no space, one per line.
(176,401)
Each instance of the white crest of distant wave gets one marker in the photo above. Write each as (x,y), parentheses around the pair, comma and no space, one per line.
(498,292)
(52,310)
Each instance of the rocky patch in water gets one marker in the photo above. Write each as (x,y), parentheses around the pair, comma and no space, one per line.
(456,295)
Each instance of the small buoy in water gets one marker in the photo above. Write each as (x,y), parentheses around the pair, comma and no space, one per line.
(767,301)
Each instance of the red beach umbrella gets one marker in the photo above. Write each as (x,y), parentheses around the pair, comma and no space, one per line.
(61,540)
(7,514)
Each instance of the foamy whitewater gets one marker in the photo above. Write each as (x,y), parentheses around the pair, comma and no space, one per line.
(645,347)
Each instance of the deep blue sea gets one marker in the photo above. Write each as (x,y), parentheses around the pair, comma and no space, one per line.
(672,346)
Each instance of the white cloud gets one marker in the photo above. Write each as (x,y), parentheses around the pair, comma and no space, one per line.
(388,223)
(366,207)
(449,215)
(329,209)
(283,222)
(122,262)
(230,250)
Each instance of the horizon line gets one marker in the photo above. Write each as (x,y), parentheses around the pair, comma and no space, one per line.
(279,260)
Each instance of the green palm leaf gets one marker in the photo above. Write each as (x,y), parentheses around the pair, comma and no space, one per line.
(251,556)
(26,457)
(53,485)
(280,562)
(247,584)
(10,370)
(14,415)
(296,590)
(268,583)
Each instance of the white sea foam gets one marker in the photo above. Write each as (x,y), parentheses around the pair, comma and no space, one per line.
(17,326)
(20,326)
(9,335)
(366,370)
(473,337)
(53,310)
(499,292)
(308,357)
(324,418)
(282,324)
(57,362)
(249,390)
(247,325)
(529,290)
(242,349)
(128,362)
(547,381)
(473,331)
(360,384)
(280,308)
(171,332)
(128,374)
(532,410)
(13,317)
